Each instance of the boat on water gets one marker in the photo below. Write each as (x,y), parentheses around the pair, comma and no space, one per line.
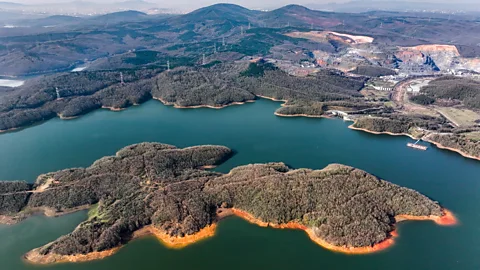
(417,146)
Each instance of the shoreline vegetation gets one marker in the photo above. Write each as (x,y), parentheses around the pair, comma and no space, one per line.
(158,189)
(380,133)
(437,144)
(79,93)
(352,127)
(34,256)
(441,146)
(425,139)
(166,103)
(301,115)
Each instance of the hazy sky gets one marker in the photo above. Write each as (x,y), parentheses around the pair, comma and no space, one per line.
(240,2)
(246,3)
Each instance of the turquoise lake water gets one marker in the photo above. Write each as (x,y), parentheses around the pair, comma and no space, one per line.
(257,136)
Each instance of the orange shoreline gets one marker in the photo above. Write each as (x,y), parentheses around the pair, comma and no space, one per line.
(447,219)
(34,256)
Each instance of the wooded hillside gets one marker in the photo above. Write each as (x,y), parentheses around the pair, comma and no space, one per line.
(161,185)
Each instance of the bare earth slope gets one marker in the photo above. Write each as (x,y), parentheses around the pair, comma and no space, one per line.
(153,188)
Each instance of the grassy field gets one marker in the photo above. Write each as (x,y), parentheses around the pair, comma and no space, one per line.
(460,117)
(371,93)
(475,136)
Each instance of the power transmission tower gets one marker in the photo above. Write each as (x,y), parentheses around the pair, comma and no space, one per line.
(168,64)
(249,26)
(203,60)
(58,93)
(223,41)
(121,78)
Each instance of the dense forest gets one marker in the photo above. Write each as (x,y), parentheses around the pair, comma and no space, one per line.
(214,85)
(14,196)
(304,108)
(161,185)
(78,93)
(422,99)
(227,83)
(459,142)
(455,88)
(373,71)
(399,123)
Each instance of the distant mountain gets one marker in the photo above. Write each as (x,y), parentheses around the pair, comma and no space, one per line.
(299,16)
(64,20)
(83,7)
(13,17)
(136,5)
(216,20)
(55,20)
(221,12)
(370,5)
(217,30)
(10,5)
(122,16)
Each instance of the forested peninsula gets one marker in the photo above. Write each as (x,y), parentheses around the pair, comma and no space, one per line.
(153,188)
(70,95)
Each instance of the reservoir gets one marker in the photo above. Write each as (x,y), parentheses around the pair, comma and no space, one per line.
(257,136)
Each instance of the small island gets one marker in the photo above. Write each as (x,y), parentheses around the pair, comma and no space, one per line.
(158,189)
